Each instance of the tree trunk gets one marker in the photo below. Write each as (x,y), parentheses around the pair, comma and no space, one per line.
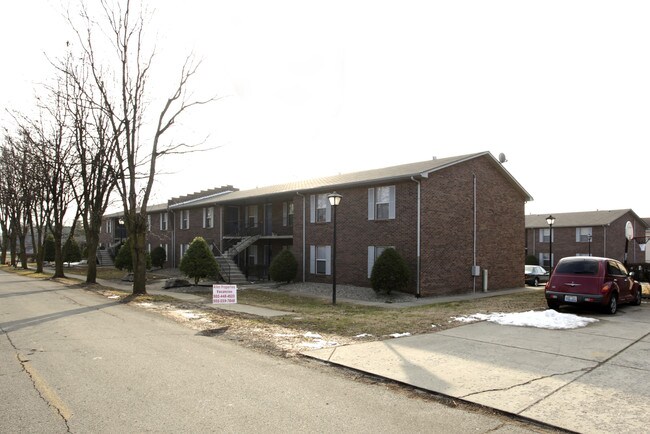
(58,255)
(139,255)
(23,253)
(92,241)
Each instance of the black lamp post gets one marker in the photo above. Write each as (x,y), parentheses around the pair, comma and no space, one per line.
(550,220)
(589,240)
(334,199)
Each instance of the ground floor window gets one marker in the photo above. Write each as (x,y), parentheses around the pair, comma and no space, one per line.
(320,260)
(373,253)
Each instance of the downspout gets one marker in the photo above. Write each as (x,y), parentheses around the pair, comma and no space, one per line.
(303,235)
(605,240)
(474,232)
(173,238)
(418,246)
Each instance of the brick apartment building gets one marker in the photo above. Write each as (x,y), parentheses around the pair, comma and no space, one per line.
(450,219)
(595,233)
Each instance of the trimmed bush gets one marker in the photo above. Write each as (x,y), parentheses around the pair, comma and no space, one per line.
(390,272)
(199,262)
(284,267)
(124,260)
(48,248)
(158,257)
(71,251)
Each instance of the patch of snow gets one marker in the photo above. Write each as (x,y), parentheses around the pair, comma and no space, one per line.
(188,314)
(363,335)
(318,344)
(399,335)
(548,319)
(312,335)
(145,304)
(113,297)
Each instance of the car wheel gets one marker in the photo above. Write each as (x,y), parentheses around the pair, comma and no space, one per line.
(536,281)
(553,304)
(612,306)
(637,299)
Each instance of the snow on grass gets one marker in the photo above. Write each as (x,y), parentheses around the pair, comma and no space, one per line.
(548,319)
(317,341)
(399,335)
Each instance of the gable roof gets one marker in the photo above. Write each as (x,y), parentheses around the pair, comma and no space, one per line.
(387,174)
(577,219)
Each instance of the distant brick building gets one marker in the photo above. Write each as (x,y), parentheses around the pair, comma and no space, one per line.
(595,233)
(449,218)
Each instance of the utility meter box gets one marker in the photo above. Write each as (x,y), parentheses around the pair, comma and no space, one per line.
(476,271)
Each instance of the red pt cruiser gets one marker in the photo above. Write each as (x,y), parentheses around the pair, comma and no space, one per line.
(589,280)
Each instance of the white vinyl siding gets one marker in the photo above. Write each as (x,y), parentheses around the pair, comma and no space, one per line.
(320,260)
(381,203)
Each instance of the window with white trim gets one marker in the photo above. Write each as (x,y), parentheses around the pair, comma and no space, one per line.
(251,216)
(544,260)
(185,219)
(320,260)
(109,226)
(545,235)
(320,210)
(184,248)
(375,252)
(381,203)
(583,235)
(208,217)
(252,255)
(287,213)
(163,221)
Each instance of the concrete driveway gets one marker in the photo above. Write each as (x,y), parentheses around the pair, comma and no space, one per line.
(593,379)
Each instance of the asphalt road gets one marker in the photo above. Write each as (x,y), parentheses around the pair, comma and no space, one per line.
(73,361)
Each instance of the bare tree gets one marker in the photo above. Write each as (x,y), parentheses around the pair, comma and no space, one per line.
(122,98)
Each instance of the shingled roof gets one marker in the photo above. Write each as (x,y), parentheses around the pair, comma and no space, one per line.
(577,219)
(387,174)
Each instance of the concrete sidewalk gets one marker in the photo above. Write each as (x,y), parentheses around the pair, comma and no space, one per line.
(589,380)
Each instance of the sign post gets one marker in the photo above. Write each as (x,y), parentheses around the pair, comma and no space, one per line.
(629,235)
(224,294)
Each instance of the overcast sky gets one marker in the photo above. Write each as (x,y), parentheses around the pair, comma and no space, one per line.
(309,89)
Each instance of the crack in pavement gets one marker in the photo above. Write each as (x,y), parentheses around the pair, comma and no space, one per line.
(48,395)
(584,371)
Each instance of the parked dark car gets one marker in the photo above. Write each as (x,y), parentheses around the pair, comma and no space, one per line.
(589,280)
(535,274)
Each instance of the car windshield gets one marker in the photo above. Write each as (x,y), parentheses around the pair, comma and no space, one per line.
(577,267)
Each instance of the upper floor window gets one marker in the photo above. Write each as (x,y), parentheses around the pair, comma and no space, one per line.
(109,226)
(251,216)
(185,219)
(208,217)
(583,235)
(320,209)
(287,214)
(381,203)
(163,221)
(545,235)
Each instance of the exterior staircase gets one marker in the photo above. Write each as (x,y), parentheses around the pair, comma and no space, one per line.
(230,271)
(241,246)
(104,258)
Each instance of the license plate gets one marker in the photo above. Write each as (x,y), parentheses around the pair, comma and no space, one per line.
(571,298)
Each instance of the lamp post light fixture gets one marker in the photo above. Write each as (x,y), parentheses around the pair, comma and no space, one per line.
(335,200)
(550,220)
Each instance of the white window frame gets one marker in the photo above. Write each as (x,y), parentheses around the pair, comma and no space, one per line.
(373,253)
(320,254)
(109,226)
(317,212)
(252,255)
(383,196)
(185,219)
(163,221)
(184,248)
(252,213)
(208,217)
(544,259)
(545,235)
(583,234)
(287,213)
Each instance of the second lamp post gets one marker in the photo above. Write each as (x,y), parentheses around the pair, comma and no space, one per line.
(334,199)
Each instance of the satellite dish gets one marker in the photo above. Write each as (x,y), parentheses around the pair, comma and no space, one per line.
(502,158)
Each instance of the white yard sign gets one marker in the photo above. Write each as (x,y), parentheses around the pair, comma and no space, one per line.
(224,294)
